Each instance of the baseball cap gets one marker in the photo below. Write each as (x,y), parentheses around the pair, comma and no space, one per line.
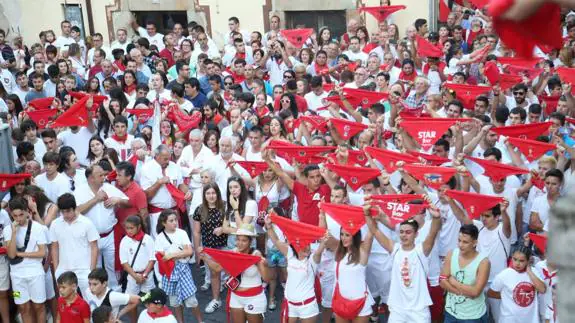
(155,296)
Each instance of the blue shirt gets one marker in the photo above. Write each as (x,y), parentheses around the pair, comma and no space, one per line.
(199,101)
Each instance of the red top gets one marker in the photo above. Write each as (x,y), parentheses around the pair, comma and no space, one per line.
(168,56)
(78,311)
(307,201)
(94,70)
(138,200)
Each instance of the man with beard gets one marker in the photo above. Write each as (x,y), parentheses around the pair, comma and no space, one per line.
(277,62)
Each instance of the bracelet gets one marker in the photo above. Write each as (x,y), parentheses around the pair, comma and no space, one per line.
(443,277)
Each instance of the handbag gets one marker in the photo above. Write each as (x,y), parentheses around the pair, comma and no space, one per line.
(343,307)
(17,260)
(124,277)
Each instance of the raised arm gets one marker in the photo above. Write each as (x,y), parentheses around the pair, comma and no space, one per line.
(506,219)
(435,227)
(280,172)
(283,247)
(383,240)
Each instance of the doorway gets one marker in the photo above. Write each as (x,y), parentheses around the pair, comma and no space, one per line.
(164,20)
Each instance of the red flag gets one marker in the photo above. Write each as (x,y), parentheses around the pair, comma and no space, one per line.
(98,99)
(491,72)
(328,87)
(524,131)
(426,133)
(530,72)
(301,153)
(350,218)
(474,203)
(298,234)
(296,36)
(399,212)
(382,12)
(539,240)
(479,4)
(398,198)
(531,149)
(353,157)
(9,180)
(42,117)
(443,10)
(183,120)
(354,101)
(550,103)
(252,167)
(389,158)
(427,49)
(432,160)
(537,181)
(507,81)
(76,115)
(497,171)
(234,263)
(467,93)
(319,123)
(366,97)
(519,61)
(355,177)
(166,266)
(143,114)
(347,129)
(178,196)
(541,28)
(567,76)
(432,176)
(42,103)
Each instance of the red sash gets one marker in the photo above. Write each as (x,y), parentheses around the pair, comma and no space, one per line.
(254,291)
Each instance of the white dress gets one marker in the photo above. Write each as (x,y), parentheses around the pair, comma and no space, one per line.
(352,284)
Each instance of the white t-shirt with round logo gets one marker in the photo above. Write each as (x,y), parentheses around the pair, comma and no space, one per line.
(518,296)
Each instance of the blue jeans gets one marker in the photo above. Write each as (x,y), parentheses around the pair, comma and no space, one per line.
(451,319)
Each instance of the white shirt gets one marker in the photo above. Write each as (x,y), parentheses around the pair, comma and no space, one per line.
(223,172)
(151,172)
(62,42)
(145,318)
(179,240)
(53,188)
(315,101)
(29,267)
(128,247)
(73,240)
(518,296)
(4,223)
(164,95)
(7,80)
(123,149)
(103,218)
(117,45)
(116,300)
(413,295)
(359,56)
(39,151)
(91,55)
(300,279)
(78,141)
(495,245)
(510,194)
(541,207)
(188,162)
(157,39)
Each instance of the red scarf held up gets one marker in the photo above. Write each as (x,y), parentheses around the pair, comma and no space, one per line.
(355,177)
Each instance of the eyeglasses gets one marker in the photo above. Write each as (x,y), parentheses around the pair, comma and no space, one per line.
(228,83)
(288,77)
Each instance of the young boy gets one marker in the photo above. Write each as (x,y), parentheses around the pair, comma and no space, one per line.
(99,294)
(121,140)
(156,311)
(71,307)
(103,314)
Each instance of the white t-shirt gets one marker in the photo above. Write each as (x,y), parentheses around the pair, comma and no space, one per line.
(29,267)
(151,172)
(123,149)
(360,55)
(541,207)
(103,218)
(62,42)
(179,240)
(495,245)
(4,223)
(53,188)
(145,318)
(73,242)
(518,296)
(510,194)
(128,247)
(188,162)
(116,300)
(315,101)
(39,151)
(78,141)
(409,292)
(223,172)
(157,39)
(300,279)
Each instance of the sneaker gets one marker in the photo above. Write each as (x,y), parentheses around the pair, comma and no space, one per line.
(272,305)
(205,286)
(212,306)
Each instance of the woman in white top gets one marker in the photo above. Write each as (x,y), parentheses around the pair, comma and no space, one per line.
(517,287)
(240,209)
(299,289)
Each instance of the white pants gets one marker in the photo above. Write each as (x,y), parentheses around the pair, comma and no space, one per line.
(107,249)
(27,289)
(153,224)
(4,274)
(409,316)
(81,274)
(49,282)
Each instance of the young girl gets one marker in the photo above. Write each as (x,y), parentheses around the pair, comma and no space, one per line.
(137,259)
(174,244)
(517,287)
(240,209)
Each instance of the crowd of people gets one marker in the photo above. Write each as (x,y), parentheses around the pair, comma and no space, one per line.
(406,175)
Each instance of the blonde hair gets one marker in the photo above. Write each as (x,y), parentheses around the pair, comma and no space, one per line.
(548,159)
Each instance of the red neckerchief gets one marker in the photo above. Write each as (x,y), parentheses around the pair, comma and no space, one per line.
(138,236)
(165,312)
(549,275)
(262,111)
(119,139)
(241,55)
(319,70)
(406,77)
(130,88)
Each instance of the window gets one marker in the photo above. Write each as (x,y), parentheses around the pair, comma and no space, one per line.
(164,20)
(334,19)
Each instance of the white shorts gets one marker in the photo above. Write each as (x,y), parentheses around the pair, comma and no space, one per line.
(191,301)
(304,311)
(81,274)
(27,289)
(4,274)
(409,316)
(133,288)
(378,276)
(326,281)
(251,305)
(49,284)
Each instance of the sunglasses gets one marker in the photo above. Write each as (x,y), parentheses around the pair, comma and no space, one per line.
(228,83)
(288,77)
(286,101)
(397,93)
(518,93)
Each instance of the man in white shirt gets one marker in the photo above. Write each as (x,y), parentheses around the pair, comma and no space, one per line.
(53,183)
(21,88)
(74,241)
(194,157)
(156,175)
(26,240)
(97,201)
(99,294)
(78,138)
(121,41)
(219,164)
(315,97)
(205,48)
(354,52)
(30,129)
(150,33)
(121,140)
(98,41)
(234,26)
(63,41)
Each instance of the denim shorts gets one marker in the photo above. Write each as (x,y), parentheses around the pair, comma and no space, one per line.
(276,259)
